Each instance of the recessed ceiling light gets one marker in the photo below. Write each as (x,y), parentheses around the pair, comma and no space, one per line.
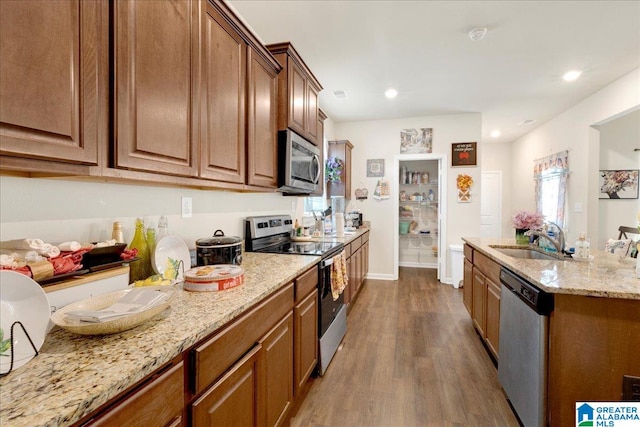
(570,76)
(340,94)
(477,34)
(391,93)
(496,133)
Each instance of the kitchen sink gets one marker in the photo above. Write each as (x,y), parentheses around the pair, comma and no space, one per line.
(524,253)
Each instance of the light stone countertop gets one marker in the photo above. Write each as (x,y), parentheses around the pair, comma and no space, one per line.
(605,276)
(73,374)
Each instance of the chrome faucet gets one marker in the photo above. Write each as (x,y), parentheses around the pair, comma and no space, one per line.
(558,243)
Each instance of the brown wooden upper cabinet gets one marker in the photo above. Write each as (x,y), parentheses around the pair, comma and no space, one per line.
(341,150)
(297,93)
(54,76)
(155,51)
(321,118)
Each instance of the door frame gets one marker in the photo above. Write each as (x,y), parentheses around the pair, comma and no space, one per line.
(442,207)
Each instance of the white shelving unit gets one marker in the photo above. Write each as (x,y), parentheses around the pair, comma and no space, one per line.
(419,246)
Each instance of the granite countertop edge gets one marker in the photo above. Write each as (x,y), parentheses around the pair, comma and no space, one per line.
(606,276)
(74,375)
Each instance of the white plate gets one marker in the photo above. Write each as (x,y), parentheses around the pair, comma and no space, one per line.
(23,300)
(111,326)
(170,250)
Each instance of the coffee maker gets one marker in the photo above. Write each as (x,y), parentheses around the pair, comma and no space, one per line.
(355,219)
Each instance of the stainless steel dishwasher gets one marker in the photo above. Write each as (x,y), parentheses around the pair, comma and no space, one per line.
(524,347)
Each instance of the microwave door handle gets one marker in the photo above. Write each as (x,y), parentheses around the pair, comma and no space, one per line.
(315,160)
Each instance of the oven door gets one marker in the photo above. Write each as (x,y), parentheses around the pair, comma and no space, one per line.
(328,307)
(299,164)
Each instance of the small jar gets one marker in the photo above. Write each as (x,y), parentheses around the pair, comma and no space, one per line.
(116,233)
(425,177)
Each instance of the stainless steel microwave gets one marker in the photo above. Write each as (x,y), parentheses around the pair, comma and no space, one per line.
(298,164)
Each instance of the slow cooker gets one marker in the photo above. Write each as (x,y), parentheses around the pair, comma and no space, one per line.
(219,249)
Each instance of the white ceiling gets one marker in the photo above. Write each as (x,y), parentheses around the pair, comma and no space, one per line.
(422,49)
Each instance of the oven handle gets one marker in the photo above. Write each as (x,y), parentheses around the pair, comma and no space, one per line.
(326,262)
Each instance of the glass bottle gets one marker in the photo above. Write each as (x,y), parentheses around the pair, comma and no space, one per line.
(140,269)
(151,240)
(116,233)
(163,227)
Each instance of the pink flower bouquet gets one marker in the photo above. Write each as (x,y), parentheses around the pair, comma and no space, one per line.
(528,220)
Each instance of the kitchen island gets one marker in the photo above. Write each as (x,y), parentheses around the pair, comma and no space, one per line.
(594,328)
(74,375)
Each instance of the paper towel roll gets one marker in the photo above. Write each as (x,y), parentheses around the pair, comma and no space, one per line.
(339,224)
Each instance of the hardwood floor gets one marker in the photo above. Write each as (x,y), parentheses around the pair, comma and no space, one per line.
(410,358)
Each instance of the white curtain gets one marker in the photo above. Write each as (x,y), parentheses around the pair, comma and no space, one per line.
(550,174)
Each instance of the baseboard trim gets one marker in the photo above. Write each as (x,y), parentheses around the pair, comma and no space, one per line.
(373,276)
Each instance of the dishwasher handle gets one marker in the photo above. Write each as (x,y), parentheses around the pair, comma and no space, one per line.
(534,297)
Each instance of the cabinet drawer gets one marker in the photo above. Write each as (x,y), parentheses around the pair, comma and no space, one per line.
(347,250)
(489,268)
(157,403)
(212,358)
(468,253)
(365,237)
(305,283)
(355,244)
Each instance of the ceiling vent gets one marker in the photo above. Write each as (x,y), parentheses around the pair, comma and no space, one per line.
(526,122)
(340,94)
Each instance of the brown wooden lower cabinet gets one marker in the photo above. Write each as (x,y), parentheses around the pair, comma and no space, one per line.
(157,403)
(481,296)
(467,287)
(305,326)
(232,400)
(593,342)
(357,266)
(276,373)
(493,317)
(479,301)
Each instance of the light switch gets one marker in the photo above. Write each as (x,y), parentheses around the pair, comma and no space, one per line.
(577,207)
(187,207)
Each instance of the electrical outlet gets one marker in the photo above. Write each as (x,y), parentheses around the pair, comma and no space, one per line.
(630,388)
(187,207)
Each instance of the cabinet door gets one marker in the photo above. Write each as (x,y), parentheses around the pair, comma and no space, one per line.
(306,340)
(467,287)
(479,301)
(54,71)
(311,120)
(232,400)
(157,403)
(155,52)
(365,260)
(276,373)
(349,289)
(222,132)
(297,97)
(262,155)
(493,316)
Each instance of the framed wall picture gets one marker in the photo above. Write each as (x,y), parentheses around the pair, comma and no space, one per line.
(464,154)
(416,140)
(375,167)
(618,184)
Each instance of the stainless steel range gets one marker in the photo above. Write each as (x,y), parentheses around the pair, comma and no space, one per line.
(272,234)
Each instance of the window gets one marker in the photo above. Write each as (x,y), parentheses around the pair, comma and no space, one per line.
(314,204)
(551,174)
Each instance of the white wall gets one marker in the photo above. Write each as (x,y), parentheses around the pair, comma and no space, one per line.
(59,210)
(572,130)
(381,140)
(618,138)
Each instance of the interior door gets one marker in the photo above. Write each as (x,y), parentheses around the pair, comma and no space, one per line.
(491,204)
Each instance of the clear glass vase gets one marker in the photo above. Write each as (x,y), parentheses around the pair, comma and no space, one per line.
(521,238)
